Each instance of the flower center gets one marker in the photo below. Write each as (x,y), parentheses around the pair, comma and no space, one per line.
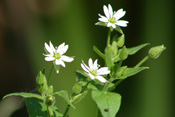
(57,56)
(94,72)
(112,20)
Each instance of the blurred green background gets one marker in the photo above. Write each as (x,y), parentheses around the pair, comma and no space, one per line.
(25,25)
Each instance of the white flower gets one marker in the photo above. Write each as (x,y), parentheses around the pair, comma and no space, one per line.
(56,54)
(112,18)
(94,71)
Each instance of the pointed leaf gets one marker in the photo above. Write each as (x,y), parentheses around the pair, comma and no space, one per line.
(101,24)
(119,29)
(25,95)
(132,71)
(135,49)
(36,108)
(107,102)
(64,94)
(108,53)
(99,52)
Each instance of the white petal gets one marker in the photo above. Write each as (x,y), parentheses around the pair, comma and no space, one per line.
(60,62)
(122,23)
(101,79)
(120,13)
(91,76)
(90,63)
(113,26)
(95,65)
(103,19)
(50,58)
(48,48)
(66,58)
(84,68)
(110,10)
(64,49)
(103,71)
(109,24)
(106,12)
(51,46)
(60,47)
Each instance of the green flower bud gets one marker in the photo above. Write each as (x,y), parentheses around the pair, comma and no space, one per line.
(155,52)
(78,97)
(121,41)
(123,53)
(40,79)
(77,88)
(50,90)
(50,100)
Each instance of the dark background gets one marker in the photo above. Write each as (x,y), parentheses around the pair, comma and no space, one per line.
(26,24)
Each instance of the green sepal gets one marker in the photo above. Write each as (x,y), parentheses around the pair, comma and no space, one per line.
(135,49)
(131,71)
(101,24)
(114,46)
(99,52)
(57,67)
(64,94)
(25,95)
(107,102)
(79,97)
(77,87)
(36,108)
(123,53)
(155,52)
(121,40)
(119,29)
(40,79)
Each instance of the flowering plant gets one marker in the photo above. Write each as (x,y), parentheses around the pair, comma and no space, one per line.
(101,81)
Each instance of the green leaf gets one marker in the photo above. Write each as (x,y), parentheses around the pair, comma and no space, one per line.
(107,102)
(36,108)
(101,24)
(132,71)
(99,52)
(25,95)
(135,49)
(64,94)
(78,97)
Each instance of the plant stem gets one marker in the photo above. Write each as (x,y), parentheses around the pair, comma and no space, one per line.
(85,87)
(108,37)
(142,61)
(48,81)
(66,111)
(139,64)
(50,112)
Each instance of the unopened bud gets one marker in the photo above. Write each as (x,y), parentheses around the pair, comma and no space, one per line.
(124,53)
(77,88)
(121,41)
(121,71)
(50,100)
(155,52)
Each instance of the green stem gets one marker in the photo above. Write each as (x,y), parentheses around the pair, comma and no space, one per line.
(66,111)
(50,112)
(85,87)
(48,81)
(139,64)
(108,37)
(142,61)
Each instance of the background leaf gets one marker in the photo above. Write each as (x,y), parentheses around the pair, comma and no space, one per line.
(36,108)
(107,102)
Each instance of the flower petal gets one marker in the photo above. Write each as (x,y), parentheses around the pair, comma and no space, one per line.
(51,46)
(103,19)
(120,13)
(66,58)
(122,23)
(95,65)
(85,68)
(90,63)
(103,71)
(91,76)
(64,49)
(101,79)
(110,10)
(60,62)
(49,58)
(48,48)
(106,12)
(60,47)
